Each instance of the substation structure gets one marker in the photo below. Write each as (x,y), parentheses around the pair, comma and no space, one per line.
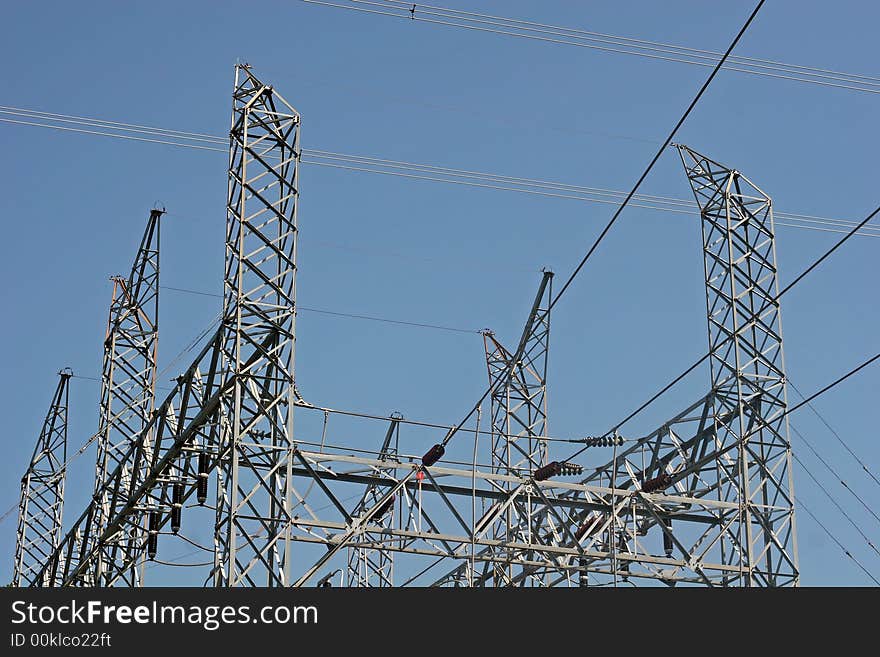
(705,499)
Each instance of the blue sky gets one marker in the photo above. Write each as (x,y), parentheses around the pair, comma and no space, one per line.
(74,207)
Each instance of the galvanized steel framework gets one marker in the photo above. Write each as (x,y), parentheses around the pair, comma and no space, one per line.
(252,538)
(42,491)
(367,565)
(748,371)
(127,400)
(705,499)
(518,409)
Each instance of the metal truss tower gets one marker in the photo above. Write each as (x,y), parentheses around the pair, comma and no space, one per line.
(748,371)
(705,499)
(369,566)
(252,537)
(42,491)
(231,412)
(127,400)
(518,404)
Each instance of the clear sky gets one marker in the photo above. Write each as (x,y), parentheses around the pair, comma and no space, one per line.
(74,206)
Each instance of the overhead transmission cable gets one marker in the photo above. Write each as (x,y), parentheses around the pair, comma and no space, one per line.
(410,170)
(337,313)
(837,504)
(837,435)
(835,474)
(705,356)
(607,42)
(836,540)
(615,216)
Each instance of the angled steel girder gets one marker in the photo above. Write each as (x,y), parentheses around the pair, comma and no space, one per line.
(127,396)
(738,449)
(185,422)
(42,490)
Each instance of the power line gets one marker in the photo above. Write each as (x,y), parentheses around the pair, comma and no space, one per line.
(691,368)
(834,538)
(607,228)
(413,170)
(830,386)
(335,313)
(836,503)
(828,252)
(712,54)
(608,43)
(834,473)
(656,157)
(836,435)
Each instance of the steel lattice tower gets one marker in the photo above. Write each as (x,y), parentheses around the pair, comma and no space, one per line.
(748,371)
(127,400)
(369,565)
(704,499)
(42,491)
(518,406)
(252,535)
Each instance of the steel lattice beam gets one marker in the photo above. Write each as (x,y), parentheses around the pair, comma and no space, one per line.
(127,396)
(231,412)
(42,490)
(254,498)
(705,499)
(748,369)
(737,450)
(518,409)
(370,566)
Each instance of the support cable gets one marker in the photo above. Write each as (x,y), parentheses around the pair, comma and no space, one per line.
(837,436)
(705,356)
(837,504)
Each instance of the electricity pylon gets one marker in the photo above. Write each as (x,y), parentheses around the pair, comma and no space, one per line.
(518,409)
(705,499)
(748,372)
(42,491)
(231,413)
(127,401)
(252,539)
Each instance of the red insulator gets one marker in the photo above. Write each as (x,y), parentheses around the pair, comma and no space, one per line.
(657,483)
(433,455)
(546,471)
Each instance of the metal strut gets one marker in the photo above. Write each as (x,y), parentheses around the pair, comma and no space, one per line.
(518,406)
(252,529)
(704,499)
(369,566)
(748,371)
(42,490)
(127,401)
